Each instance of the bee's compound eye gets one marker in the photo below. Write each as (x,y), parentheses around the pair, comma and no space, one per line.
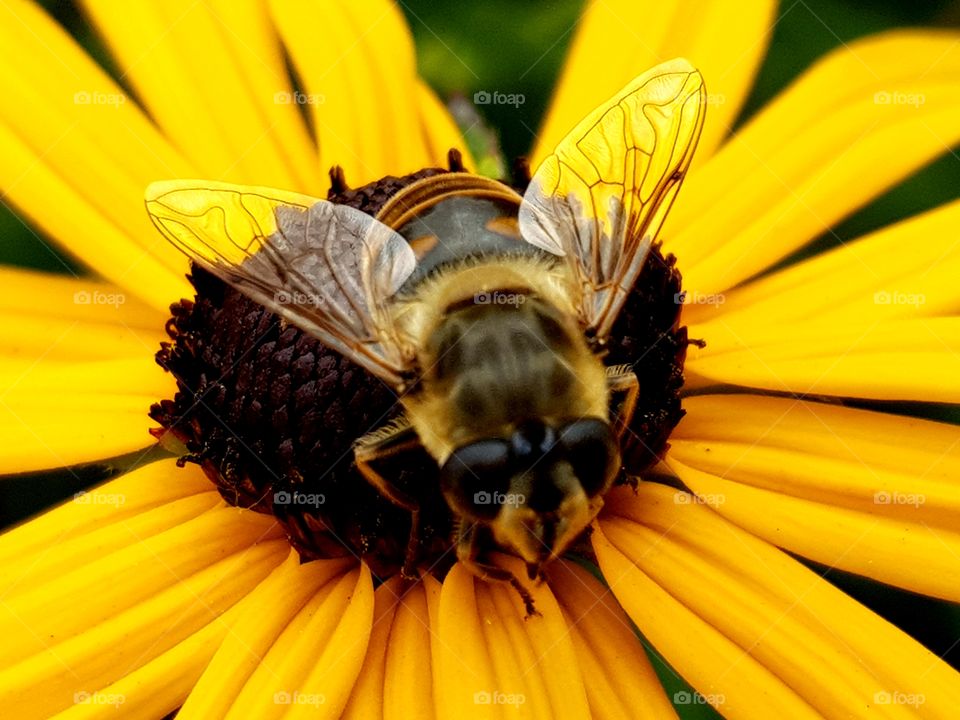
(476,476)
(591,447)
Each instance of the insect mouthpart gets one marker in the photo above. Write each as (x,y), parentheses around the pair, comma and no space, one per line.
(537,489)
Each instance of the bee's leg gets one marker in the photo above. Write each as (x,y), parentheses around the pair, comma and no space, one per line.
(398,497)
(624,390)
(468,553)
(409,569)
(381,444)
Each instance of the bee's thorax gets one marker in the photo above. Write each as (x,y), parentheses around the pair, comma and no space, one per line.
(490,368)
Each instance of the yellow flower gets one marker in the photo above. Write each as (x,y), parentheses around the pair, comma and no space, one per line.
(150,592)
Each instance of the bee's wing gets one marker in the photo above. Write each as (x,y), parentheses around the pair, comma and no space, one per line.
(326,268)
(601,197)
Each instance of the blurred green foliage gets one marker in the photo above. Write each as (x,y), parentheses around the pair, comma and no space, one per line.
(511,47)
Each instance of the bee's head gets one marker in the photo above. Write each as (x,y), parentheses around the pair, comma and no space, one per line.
(536,490)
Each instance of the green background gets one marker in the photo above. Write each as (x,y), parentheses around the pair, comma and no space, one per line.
(518,47)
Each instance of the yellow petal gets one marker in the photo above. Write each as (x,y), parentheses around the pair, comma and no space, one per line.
(69,382)
(37,438)
(311,666)
(81,229)
(771,635)
(45,311)
(616,41)
(42,376)
(723,673)
(183,63)
(262,617)
(136,493)
(388,44)
(82,630)
(341,51)
(905,270)
(157,688)
(408,660)
(77,155)
(619,679)
(56,413)
(494,661)
(916,359)
(24,574)
(868,492)
(124,578)
(367,698)
(433,591)
(71,86)
(440,131)
(48,295)
(863,118)
(396,678)
(129,639)
(256,56)
(28,336)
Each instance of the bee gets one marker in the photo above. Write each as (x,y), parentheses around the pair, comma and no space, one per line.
(487,312)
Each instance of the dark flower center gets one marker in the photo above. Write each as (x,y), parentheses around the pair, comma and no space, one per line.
(271,415)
